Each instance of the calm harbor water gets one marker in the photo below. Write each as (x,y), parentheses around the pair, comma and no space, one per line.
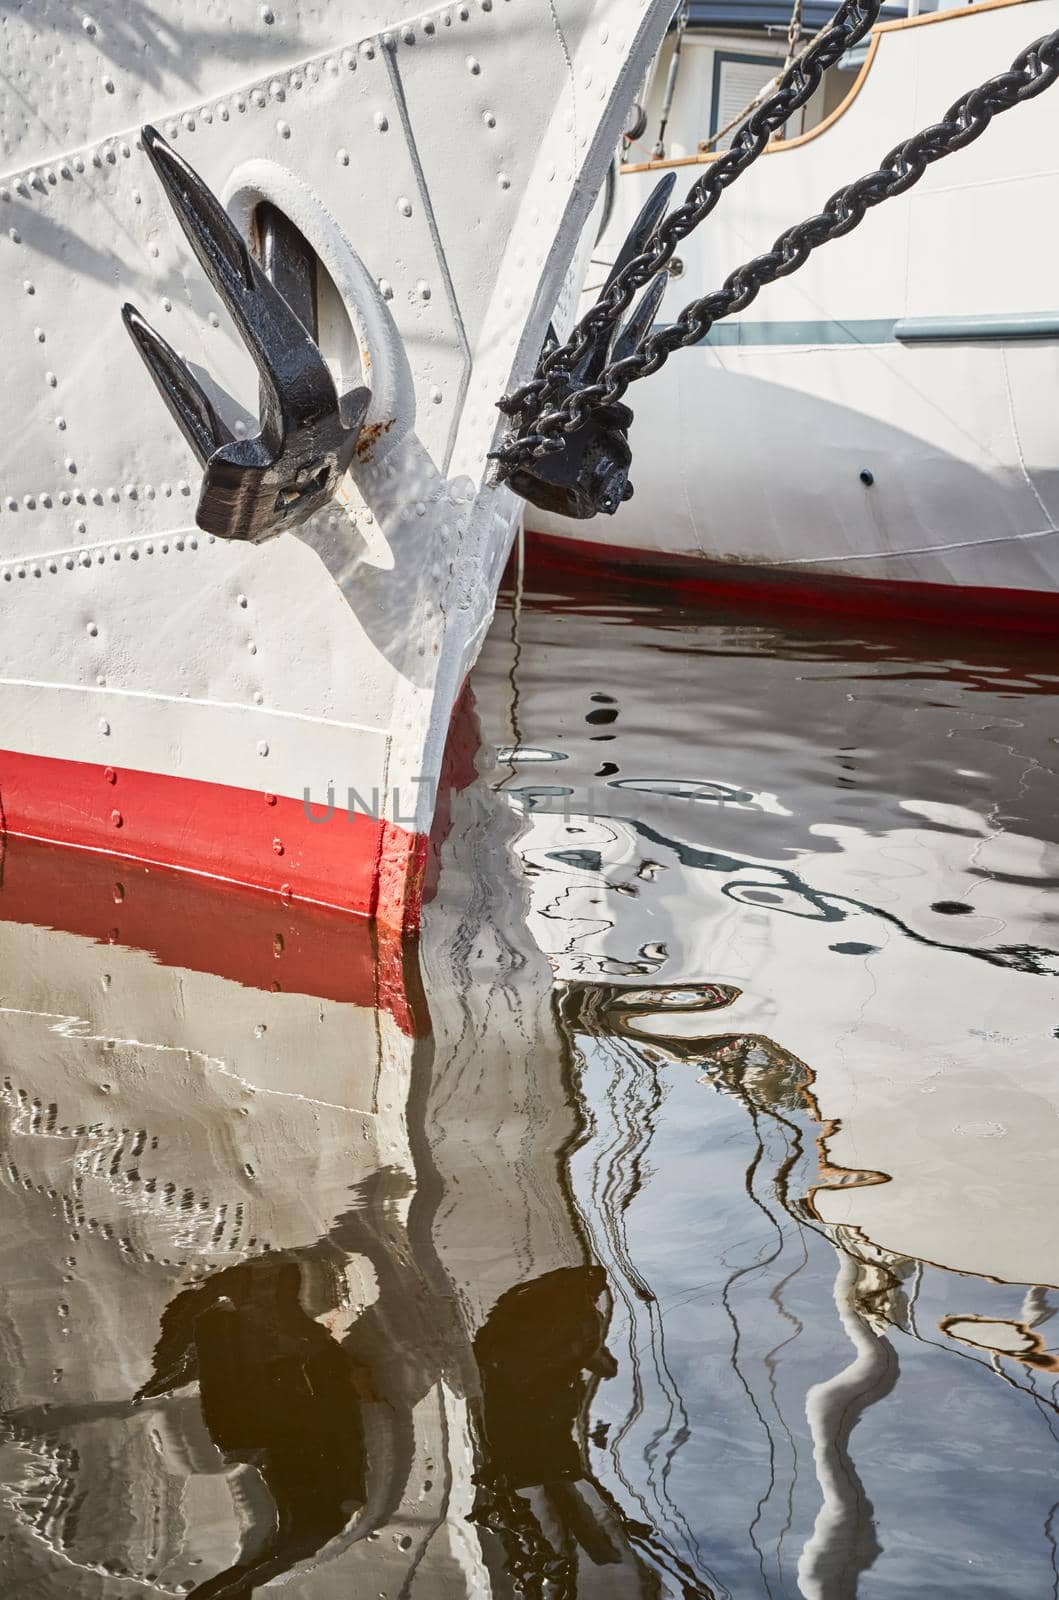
(676,1220)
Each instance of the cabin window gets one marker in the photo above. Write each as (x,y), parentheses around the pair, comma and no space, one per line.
(738,78)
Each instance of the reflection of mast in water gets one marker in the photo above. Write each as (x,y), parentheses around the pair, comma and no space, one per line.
(843,1542)
(868,1297)
(620,1096)
(868,1294)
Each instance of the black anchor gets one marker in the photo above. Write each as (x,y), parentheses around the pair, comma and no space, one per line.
(254,488)
(590,474)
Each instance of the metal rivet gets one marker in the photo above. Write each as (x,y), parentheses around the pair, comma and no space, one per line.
(93,630)
(104,725)
(404,205)
(262,747)
(385,289)
(277,845)
(382,122)
(117,819)
(473,67)
(268,16)
(503,181)
(343,158)
(110,775)
(867,477)
(423,290)
(283,129)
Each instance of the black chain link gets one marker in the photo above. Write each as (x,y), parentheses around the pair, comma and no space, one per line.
(1035,70)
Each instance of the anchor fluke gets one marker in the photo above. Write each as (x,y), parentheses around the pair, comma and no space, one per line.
(253,488)
(191,407)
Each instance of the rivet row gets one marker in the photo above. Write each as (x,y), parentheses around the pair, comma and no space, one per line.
(39,180)
(36,567)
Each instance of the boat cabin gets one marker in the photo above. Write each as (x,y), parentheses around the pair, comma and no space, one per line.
(718,58)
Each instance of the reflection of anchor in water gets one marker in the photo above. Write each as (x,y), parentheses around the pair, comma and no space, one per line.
(540,1353)
(325,1416)
(320,1399)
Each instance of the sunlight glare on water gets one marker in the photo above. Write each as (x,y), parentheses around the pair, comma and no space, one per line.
(675,1220)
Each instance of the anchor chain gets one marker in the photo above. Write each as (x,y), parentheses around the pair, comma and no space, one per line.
(567,402)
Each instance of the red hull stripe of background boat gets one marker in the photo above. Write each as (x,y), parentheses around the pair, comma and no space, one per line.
(695,579)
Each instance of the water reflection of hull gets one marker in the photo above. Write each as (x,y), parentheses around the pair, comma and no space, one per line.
(175,1136)
(283,1267)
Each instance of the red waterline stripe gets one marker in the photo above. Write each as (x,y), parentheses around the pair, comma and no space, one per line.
(692,578)
(202,925)
(235,836)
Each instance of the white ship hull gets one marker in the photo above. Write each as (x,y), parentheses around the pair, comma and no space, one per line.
(875,431)
(165,694)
